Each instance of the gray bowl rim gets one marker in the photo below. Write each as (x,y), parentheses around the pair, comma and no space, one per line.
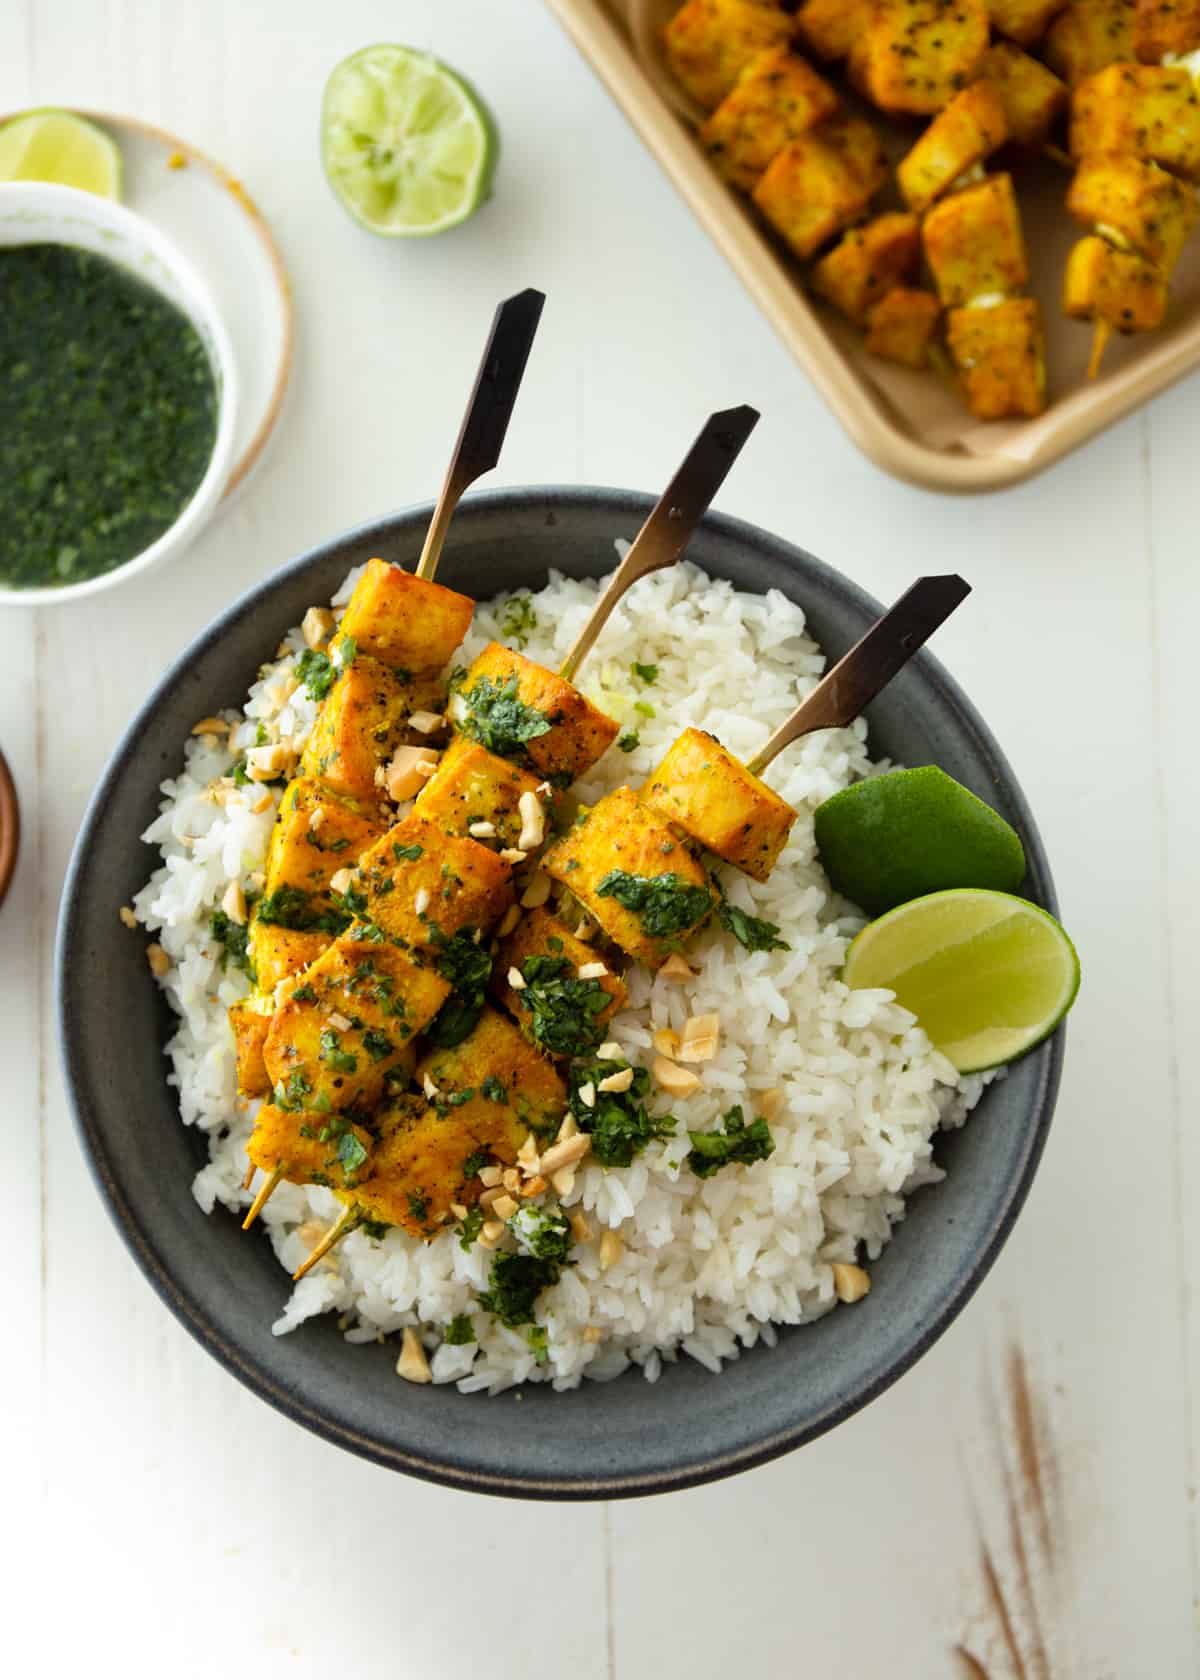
(628,509)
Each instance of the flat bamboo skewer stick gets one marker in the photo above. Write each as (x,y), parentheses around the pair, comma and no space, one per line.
(844,692)
(342,1225)
(668,528)
(266,1190)
(489,409)
(1100,338)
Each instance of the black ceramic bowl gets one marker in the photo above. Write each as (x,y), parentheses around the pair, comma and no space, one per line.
(602,1440)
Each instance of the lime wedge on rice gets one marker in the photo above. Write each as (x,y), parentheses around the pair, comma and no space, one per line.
(407,146)
(59,147)
(987,975)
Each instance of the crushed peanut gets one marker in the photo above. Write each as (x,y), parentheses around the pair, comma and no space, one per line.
(585,931)
(281,692)
(126,913)
(676,1081)
(527,1155)
(666,1041)
(508,921)
(700,1038)
(339,1022)
(563,1181)
(429,1088)
(412,1364)
(458,1210)
(534,1186)
(482,830)
(581,1227)
(490,1176)
(770,1103)
(158,959)
(210,726)
(316,626)
(592,1333)
(516,979)
(341,882)
(261,804)
(587,1094)
(610,1051)
(504,1207)
(510,1178)
(568,1129)
(316,817)
(537,892)
(565,1154)
(593,971)
(677,968)
(425,723)
(407,771)
(266,764)
(850,1283)
(533,822)
(512,854)
(617,1081)
(490,1233)
(612,1247)
(233,903)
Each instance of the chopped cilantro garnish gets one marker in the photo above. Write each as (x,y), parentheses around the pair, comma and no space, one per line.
(645,708)
(751,931)
(291,1093)
(304,994)
(501,722)
(519,621)
(317,672)
(543,1232)
(474,1163)
(351,1152)
(538,1338)
(563,1010)
(233,938)
(301,912)
(618,1121)
(664,904)
(470,1227)
(648,673)
(460,1331)
(332,1054)
(736,1144)
(494,1089)
(376,1229)
(467,965)
(377,1044)
(514,1284)
(411,853)
(418,1206)
(629,742)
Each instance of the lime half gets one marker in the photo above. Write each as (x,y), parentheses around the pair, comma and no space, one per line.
(987,975)
(56,146)
(407,146)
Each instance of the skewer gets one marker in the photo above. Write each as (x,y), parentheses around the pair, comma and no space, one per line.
(344,1223)
(266,1190)
(248,1180)
(871,663)
(1100,338)
(489,409)
(669,526)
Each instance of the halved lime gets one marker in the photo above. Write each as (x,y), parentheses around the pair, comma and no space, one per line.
(407,145)
(912,832)
(987,975)
(60,147)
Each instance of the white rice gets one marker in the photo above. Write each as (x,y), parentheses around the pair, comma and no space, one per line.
(708,1267)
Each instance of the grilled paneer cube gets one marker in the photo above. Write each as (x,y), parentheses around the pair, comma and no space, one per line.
(969,130)
(1087,35)
(867,262)
(363,721)
(629,871)
(277,952)
(1032,96)
(715,799)
(1117,287)
(1000,357)
(404,621)
(558,1006)
(348,1024)
(309,1148)
(710,42)
(1134,204)
(914,55)
(316,834)
(473,790)
(1022,20)
(974,244)
(1165,26)
(822,183)
(778,98)
(419,885)
(526,713)
(417,1168)
(249,1035)
(901,326)
(828,27)
(497,1085)
(1141,110)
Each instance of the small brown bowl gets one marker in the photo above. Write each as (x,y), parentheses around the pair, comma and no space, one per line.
(10,827)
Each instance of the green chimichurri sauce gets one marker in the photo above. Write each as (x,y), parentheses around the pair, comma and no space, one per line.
(108,414)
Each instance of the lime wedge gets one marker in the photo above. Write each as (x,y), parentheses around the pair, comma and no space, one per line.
(407,146)
(56,146)
(987,975)
(912,832)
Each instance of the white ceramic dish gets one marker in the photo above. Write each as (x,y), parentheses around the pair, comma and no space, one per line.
(33,213)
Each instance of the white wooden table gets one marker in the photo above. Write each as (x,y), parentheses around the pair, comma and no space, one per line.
(185,1526)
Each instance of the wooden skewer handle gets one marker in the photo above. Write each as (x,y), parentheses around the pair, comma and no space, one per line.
(669,527)
(489,410)
(843,693)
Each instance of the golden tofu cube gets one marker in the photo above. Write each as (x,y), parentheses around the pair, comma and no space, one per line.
(472,786)
(1134,204)
(1087,35)
(631,873)
(1032,96)
(363,721)
(310,1148)
(1165,26)
(1023,21)
(497,1085)
(821,183)
(316,834)
(555,1009)
(714,798)
(974,244)
(913,56)
(277,952)
(338,1035)
(828,27)
(522,711)
(406,622)
(1000,357)
(710,42)
(417,1167)
(1139,109)
(969,130)
(778,98)
(249,1035)
(867,262)
(1118,287)
(901,327)
(419,885)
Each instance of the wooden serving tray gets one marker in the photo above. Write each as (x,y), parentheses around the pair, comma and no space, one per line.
(914,425)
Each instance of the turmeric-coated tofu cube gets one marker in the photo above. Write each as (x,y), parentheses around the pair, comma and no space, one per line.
(421,1167)
(310,1148)
(522,711)
(1141,110)
(822,183)
(276,952)
(969,130)
(1165,26)
(315,836)
(913,56)
(1135,204)
(867,262)
(498,1085)
(1117,287)
(901,326)
(630,872)
(419,885)
(1087,35)
(1000,357)
(828,27)
(1023,21)
(473,791)
(712,796)
(1033,97)
(974,244)
(249,1035)
(407,622)
(337,1036)
(561,1004)
(778,98)
(363,721)
(710,42)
